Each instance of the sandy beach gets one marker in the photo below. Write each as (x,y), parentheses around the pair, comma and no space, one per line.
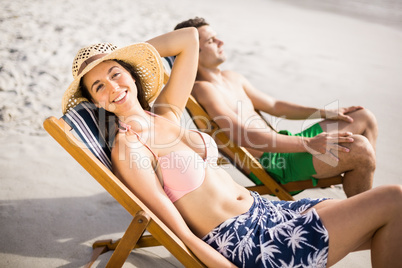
(51,210)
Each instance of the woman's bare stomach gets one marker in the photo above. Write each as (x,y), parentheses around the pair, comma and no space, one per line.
(219,198)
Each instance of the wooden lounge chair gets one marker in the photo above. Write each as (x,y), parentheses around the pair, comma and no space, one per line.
(92,152)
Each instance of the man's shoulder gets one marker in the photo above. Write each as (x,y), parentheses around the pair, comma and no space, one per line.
(203,85)
(205,92)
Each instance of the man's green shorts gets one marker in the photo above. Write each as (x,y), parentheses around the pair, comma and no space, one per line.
(288,167)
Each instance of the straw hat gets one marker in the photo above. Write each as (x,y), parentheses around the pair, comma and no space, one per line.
(142,56)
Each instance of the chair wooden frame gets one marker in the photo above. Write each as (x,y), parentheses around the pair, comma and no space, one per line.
(246,162)
(143,218)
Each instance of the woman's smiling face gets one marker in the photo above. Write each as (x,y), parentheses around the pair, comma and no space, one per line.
(110,86)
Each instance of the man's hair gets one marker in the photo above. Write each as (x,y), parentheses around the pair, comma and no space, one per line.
(197,22)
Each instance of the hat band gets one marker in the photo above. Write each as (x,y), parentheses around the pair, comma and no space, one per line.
(89,60)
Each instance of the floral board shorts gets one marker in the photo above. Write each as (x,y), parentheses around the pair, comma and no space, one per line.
(273,234)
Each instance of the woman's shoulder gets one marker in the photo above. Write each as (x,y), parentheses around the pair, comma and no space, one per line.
(167,113)
(129,150)
(126,143)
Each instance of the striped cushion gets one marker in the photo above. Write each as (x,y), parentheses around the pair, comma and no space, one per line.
(84,123)
(168,63)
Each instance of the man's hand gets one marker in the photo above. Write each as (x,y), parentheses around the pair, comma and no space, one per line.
(341,114)
(326,143)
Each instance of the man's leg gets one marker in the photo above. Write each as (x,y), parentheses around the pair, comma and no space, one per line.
(364,123)
(358,165)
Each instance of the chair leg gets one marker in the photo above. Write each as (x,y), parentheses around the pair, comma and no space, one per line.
(129,239)
(123,246)
(99,247)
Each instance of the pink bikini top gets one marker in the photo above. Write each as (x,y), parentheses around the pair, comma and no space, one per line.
(182,171)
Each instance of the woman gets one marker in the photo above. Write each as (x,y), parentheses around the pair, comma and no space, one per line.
(173,171)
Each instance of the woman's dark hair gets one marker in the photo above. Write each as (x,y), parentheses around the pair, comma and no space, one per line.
(108,121)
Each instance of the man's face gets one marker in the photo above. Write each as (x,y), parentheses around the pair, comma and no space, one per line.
(211,48)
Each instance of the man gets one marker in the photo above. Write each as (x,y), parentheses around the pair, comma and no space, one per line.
(318,152)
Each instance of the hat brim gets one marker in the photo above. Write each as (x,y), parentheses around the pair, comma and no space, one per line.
(142,56)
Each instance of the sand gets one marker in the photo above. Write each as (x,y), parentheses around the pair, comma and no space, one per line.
(52,210)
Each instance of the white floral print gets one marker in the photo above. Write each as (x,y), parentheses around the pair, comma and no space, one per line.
(273,234)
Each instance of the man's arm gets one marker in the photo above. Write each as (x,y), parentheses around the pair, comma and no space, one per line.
(260,139)
(279,108)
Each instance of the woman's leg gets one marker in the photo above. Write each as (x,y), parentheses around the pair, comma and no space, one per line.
(371,219)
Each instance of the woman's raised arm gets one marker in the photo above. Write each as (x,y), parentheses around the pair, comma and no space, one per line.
(183,44)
